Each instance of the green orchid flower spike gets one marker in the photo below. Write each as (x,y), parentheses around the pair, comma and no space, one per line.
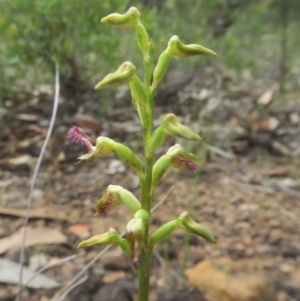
(138,242)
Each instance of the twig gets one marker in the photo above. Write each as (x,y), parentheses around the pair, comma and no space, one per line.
(67,287)
(220,152)
(163,200)
(32,185)
(48,266)
(73,286)
(176,276)
(287,190)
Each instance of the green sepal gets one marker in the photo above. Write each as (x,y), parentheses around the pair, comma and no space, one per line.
(130,200)
(142,39)
(138,91)
(177,48)
(161,68)
(156,140)
(127,20)
(159,169)
(109,238)
(174,128)
(125,73)
(162,233)
(129,157)
(186,223)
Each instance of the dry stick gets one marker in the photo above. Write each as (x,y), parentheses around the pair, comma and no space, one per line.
(176,276)
(61,294)
(73,286)
(37,167)
(50,265)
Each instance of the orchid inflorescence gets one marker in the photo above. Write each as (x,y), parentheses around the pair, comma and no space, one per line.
(138,243)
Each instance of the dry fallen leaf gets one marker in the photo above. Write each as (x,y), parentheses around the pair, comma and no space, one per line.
(53,212)
(35,236)
(266,97)
(81,230)
(10,274)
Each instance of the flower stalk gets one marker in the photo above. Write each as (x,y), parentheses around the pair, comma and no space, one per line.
(139,243)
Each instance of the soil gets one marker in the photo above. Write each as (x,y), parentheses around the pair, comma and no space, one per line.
(247,197)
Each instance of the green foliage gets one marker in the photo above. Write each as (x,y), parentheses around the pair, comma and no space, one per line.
(245,34)
(36,32)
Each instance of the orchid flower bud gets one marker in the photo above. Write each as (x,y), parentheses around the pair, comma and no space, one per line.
(135,235)
(113,197)
(122,76)
(144,215)
(161,68)
(135,231)
(162,233)
(177,48)
(156,140)
(176,129)
(186,223)
(108,238)
(182,159)
(127,20)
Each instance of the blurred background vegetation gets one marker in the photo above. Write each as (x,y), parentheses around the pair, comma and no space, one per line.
(254,38)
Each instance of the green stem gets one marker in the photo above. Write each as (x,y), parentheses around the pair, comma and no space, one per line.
(146,200)
(144,279)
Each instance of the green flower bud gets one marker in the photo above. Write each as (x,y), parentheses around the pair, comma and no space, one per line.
(135,231)
(182,159)
(122,76)
(156,140)
(113,197)
(177,48)
(159,169)
(176,129)
(162,233)
(129,19)
(108,238)
(161,68)
(142,214)
(128,156)
(142,38)
(135,235)
(186,223)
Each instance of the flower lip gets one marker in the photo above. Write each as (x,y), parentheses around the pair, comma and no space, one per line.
(187,164)
(77,135)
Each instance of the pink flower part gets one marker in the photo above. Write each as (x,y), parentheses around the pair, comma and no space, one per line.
(103,210)
(77,135)
(187,164)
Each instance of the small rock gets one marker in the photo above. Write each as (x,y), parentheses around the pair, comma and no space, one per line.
(286,268)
